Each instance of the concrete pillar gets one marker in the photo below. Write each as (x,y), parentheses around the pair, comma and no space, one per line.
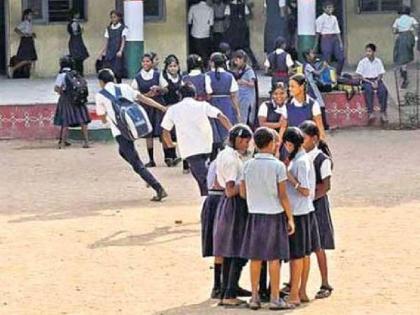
(134,19)
(306,25)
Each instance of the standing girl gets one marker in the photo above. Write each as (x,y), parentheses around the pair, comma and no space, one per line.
(302,107)
(263,184)
(147,82)
(26,51)
(246,79)
(231,216)
(222,91)
(279,62)
(196,76)
(77,48)
(320,156)
(404,27)
(69,114)
(112,53)
(299,192)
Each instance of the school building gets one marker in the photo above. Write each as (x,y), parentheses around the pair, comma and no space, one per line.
(166,29)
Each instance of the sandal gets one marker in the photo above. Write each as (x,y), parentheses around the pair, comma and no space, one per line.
(324,292)
(233,303)
(254,304)
(281,305)
(286,289)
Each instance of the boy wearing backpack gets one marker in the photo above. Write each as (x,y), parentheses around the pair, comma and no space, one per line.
(112,103)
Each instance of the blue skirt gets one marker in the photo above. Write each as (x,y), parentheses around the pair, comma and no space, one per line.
(325,226)
(315,238)
(266,237)
(208,214)
(69,115)
(225,105)
(155,118)
(229,227)
(300,242)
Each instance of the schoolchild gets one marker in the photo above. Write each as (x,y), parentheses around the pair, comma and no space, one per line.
(320,156)
(113,52)
(299,190)
(77,47)
(302,107)
(67,113)
(226,50)
(270,220)
(222,90)
(231,214)
(127,149)
(196,76)
(246,79)
(147,82)
(329,34)
(279,62)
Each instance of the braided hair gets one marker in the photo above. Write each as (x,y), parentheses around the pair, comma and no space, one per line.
(295,136)
(219,61)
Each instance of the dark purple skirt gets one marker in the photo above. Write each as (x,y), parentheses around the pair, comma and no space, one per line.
(229,227)
(300,242)
(69,115)
(266,237)
(26,50)
(155,117)
(208,213)
(325,226)
(315,239)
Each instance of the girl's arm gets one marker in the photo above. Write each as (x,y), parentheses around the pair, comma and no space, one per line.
(247,83)
(58,90)
(231,189)
(120,52)
(19,32)
(283,127)
(150,102)
(320,125)
(294,182)
(284,201)
(263,123)
(242,189)
(323,188)
(235,101)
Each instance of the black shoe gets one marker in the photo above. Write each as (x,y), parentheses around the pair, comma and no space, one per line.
(169,162)
(162,194)
(216,294)
(151,164)
(265,296)
(176,161)
(243,293)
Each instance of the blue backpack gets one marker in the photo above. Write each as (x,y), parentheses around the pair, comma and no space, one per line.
(130,118)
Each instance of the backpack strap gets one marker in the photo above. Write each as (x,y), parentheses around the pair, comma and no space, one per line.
(108,95)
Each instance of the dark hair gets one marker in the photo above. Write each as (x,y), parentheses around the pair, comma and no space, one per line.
(168,60)
(194,61)
(294,136)
(187,90)
(106,75)
(371,46)
(241,54)
(219,61)
(150,56)
(224,48)
(301,80)
(239,131)
(26,12)
(278,85)
(263,136)
(327,3)
(280,42)
(66,62)
(405,9)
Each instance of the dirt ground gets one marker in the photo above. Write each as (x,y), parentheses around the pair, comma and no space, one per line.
(79,236)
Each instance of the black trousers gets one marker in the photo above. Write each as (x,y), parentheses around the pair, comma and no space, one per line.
(201,47)
(199,171)
(231,269)
(129,153)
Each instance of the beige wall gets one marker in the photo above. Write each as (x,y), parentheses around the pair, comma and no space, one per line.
(168,36)
(256,26)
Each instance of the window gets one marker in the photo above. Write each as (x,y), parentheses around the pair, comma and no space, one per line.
(55,10)
(382,5)
(154,10)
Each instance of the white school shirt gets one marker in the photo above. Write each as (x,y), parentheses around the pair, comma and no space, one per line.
(114,27)
(326,167)
(147,76)
(300,168)
(60,81)
(289,60)
(234,87)
(405,23)
(164,83)
(316,108)
(104,105)
(282,3)
(193,130)
(327,24)
(201,17)
(228,166)
(370,69)
(25,27)
(263,110)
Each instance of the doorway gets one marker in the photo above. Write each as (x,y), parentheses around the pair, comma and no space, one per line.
(3,63)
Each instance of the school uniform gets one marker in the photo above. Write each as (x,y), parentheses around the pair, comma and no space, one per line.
(276,24)
(247,95)
(26,50)
(173,84)
(143,82)
(298,112)
(68,114)
(208,212)
(127,148)
(194,134)
(266,236)
(405,25)
(327,26)
(279,62)
(198,79)
(220,85)
(77,47)
(370,71)
(115,35)
(301,242)
(323,169)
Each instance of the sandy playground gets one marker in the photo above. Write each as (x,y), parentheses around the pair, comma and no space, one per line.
(79,236)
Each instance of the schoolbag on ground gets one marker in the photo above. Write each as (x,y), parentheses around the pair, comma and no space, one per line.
(130,118)
(349,84)
(77,88)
